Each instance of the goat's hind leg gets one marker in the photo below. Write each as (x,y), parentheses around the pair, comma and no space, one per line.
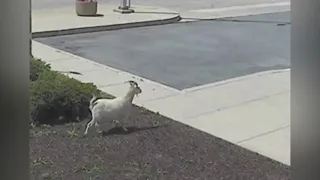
(89,124)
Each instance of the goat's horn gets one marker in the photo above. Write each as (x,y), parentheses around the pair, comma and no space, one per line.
(132,82)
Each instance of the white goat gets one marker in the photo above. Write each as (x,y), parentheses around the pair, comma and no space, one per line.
(112,109)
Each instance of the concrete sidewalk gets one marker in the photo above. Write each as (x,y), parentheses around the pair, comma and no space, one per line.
(52,22)
(251,111)
(234,11)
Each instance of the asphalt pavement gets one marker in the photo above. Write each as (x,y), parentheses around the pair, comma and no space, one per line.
(185,55)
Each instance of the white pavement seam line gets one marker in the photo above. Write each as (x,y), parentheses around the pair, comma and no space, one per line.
(245,7)
(236,105)
(263,134)
(237,79)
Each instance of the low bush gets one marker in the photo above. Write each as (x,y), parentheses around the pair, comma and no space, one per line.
(56,98)
(36,67)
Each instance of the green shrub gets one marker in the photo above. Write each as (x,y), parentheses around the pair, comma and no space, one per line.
(56,98)
(36,67)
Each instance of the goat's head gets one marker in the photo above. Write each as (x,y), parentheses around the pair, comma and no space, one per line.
(134,88)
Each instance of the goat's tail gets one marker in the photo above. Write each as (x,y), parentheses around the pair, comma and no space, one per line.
(92,101)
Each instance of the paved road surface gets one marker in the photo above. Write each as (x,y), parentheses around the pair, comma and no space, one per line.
(185,55)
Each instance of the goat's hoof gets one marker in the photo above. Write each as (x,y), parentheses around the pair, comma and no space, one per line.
(125,129)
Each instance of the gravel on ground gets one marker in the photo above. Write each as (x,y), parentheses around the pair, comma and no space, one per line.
(154,148)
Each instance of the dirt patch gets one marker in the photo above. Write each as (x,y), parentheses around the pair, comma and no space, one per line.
(154,148)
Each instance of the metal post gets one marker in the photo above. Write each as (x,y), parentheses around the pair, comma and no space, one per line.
(124,7)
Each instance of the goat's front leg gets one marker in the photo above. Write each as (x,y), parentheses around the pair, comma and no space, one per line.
(124,128)
(98,128)
(117,123)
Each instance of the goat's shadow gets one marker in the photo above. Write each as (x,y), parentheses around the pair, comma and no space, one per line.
(130,130)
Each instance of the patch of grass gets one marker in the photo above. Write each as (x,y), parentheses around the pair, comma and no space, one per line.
(90,169)
(42,161)
(43,130)
(73,131)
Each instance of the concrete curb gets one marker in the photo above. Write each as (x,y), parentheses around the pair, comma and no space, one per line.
(43,34)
